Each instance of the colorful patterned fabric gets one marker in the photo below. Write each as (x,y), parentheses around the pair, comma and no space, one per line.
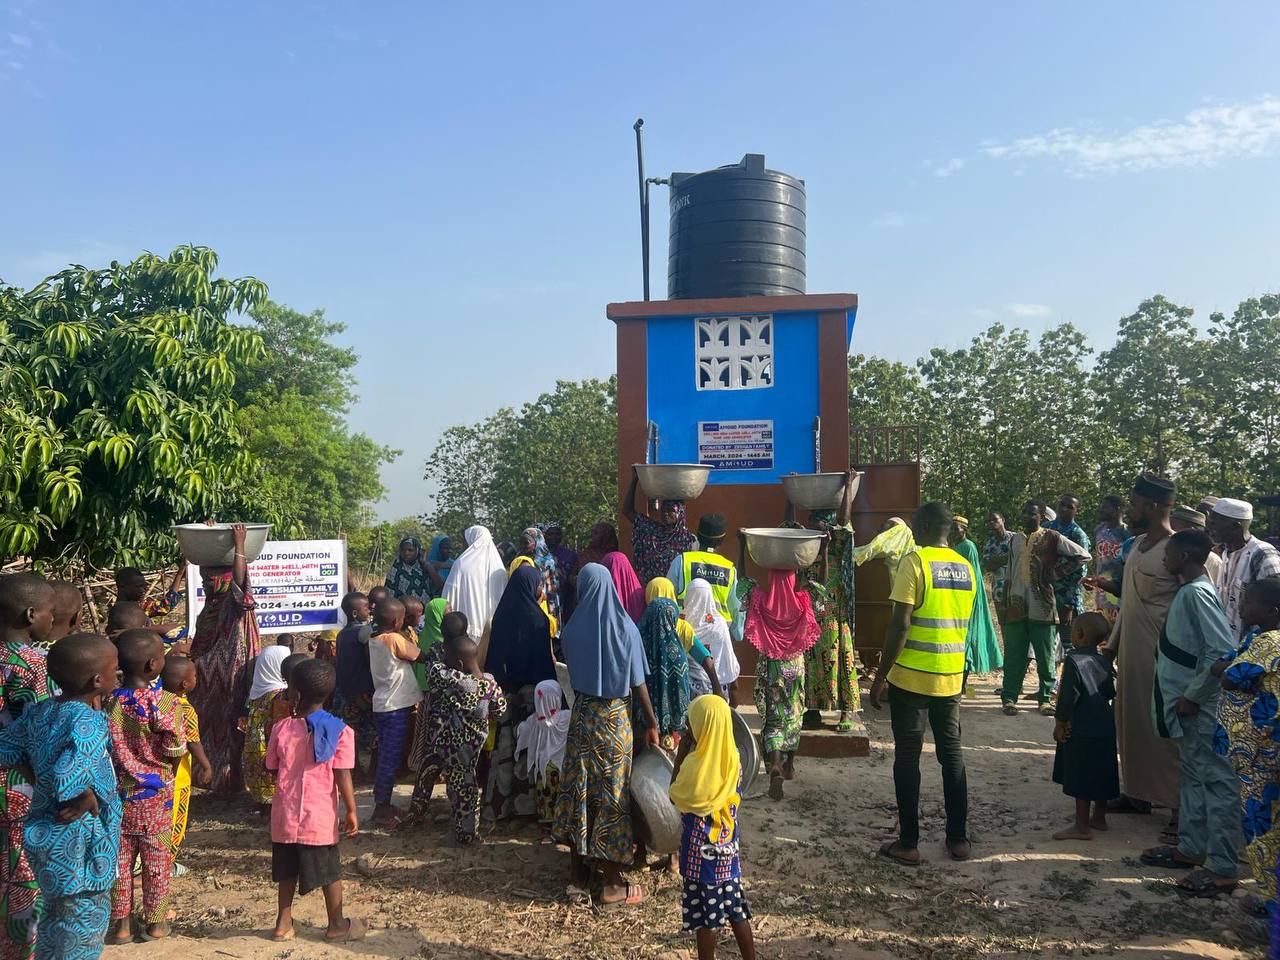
(148,827)
(830,668)
(545,561)
(703,861)
(547,793)
(190,725)
(409,578)
(263,713)
(1248,735)
(780,701)
(393,730)
(712,906)
(146,737)
(1068,592)
(357,713)
(667,665)
(225,640)
(73,927)
(23,681)
(654,544)
(997,548)
(459,707)
(593,813)
(1108,545)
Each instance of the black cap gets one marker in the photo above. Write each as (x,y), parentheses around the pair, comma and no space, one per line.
(1155,488)
(712,527)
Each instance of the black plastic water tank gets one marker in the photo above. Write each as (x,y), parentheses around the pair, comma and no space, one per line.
(736,231)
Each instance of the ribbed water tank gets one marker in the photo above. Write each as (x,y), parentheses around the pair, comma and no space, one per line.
(736,231)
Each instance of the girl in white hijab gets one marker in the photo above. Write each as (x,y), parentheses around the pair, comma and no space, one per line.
(476,581)
(712,629)
(540,742)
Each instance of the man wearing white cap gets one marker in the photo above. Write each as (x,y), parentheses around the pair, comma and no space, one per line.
(1245,558)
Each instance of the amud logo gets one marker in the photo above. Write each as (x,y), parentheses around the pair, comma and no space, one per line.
(715,575)
(951,576)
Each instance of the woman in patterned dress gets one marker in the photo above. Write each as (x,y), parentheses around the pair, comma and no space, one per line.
(225,640)
(781,626)
(606,661)
(830,667)
(1248,727)
(265,706)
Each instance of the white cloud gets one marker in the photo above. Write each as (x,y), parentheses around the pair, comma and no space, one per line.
(1203,137)
(954,165)
(1030,310)
(20,40)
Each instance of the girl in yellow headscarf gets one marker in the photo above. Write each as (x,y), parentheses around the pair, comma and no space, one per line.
(705,791)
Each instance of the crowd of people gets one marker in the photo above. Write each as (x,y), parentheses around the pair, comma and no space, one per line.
(528,676)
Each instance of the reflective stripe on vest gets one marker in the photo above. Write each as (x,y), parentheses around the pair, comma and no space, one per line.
(713,568)
(939,626)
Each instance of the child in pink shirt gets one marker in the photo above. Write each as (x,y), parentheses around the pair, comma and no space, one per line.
(312,753)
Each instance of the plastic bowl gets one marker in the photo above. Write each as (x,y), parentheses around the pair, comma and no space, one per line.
(212,546)
(782,548)
(656,819)
(819,491)
(672,481)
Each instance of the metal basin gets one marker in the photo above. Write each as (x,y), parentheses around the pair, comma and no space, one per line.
(781,548)
(655,818)
(819,491)
(748,752)
(672,481)
(212,546)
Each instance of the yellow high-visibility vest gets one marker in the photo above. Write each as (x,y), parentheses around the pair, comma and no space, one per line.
(716,570)
(935,643)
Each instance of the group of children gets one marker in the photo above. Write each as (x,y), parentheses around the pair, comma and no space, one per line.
(99,748)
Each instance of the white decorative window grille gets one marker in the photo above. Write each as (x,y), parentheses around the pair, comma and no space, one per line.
(734,353)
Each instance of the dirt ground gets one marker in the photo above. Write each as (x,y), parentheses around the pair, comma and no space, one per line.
(814,884)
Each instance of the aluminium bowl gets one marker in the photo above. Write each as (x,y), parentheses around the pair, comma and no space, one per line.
(783,548)
(672,481)
(819,491)
(212,546)
(657,821)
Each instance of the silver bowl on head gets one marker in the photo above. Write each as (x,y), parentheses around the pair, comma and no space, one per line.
(672,481)
(656,819)
(204,545)
(819,491)
(783,548)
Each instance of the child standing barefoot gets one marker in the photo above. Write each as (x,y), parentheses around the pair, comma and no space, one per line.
(312,753)
(179,679)
(705,791)
(1085,761)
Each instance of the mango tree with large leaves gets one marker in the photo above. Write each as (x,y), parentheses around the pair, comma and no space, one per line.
(117,418)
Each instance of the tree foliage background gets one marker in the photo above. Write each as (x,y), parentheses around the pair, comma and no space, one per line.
(1005,418)
(131,399)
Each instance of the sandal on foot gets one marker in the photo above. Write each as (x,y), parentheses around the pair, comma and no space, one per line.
(1203,883)
(845,724)
(886,851)
(1165,857)
(148,938)
(355,931)
(959,850)
(1009,710)
(283,937)
(635,896)
(775,788)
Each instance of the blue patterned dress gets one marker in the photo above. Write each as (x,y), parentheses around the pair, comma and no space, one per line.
(66,744)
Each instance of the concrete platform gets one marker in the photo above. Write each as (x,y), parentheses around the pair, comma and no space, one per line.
(825,743)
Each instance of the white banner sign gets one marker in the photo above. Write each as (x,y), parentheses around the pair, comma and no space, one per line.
(298,586)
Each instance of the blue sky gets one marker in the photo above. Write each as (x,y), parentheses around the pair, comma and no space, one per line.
(456,182)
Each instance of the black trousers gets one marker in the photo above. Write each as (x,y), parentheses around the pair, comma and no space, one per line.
(908,713)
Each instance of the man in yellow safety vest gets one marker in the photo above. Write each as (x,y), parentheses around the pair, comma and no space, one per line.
(922,672)
(707,564)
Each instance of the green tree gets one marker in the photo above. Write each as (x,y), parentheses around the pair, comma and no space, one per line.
(295,400)
(882,393)
(117,407)
(461,467)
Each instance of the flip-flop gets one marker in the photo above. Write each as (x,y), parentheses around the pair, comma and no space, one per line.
(951,850)
(355,931)
(148,938)
(632,899)
(282,937)
(886,849)
(1165,857)
(1202,883)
